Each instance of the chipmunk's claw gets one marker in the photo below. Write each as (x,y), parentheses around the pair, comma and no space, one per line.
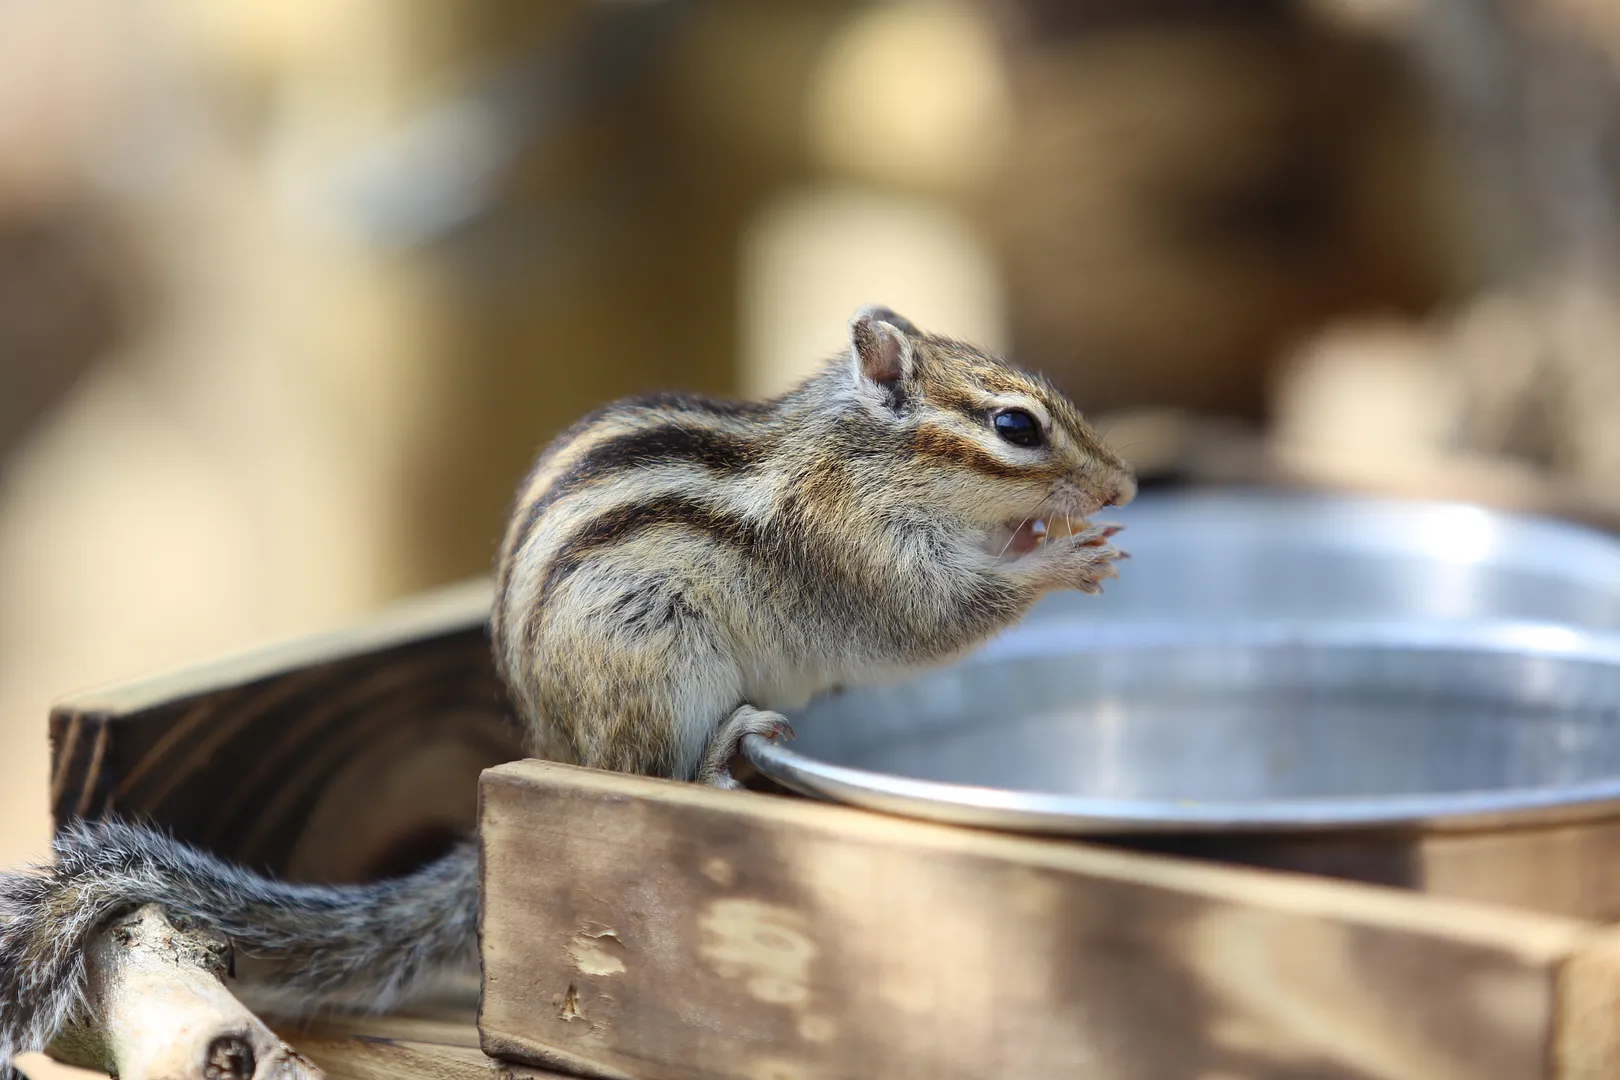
(746,720)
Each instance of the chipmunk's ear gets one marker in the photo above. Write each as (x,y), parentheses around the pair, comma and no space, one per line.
(879,346)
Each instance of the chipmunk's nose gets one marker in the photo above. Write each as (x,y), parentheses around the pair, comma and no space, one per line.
(1124,492)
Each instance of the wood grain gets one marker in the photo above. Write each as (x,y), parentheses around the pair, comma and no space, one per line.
(635,927)
(337,757)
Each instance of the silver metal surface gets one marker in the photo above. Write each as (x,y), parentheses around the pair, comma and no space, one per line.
(1259,555)
(1265,664)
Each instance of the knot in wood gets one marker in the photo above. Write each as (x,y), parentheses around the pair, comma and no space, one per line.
(230,1057)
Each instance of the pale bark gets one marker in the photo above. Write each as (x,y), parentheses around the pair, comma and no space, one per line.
(159,1010)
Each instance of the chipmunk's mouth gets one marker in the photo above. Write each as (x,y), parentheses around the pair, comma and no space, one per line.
(1018,538)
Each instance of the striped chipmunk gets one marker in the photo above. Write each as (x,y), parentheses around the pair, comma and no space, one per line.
(675,572)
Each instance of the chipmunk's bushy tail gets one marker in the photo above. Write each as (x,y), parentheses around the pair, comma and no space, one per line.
(337,947)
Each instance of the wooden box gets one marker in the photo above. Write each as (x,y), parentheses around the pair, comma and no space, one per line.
(649,929)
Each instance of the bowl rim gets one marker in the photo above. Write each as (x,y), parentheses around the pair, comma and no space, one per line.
(1051,812)
(1449,531)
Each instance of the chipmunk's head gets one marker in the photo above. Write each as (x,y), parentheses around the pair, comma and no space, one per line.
(995,445)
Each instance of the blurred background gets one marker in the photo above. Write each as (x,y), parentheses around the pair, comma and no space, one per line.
(291,290)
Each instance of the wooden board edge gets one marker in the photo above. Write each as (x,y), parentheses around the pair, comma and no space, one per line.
(451,610)
(1533,937)
(1587,1037)
(1260,968)
(401,1048)
(509,1049)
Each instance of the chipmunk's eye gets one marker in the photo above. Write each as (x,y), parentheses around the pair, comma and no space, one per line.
(1017,427)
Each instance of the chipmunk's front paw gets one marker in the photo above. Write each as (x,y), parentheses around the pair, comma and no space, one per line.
(1089,579)
(746,720)
(1085,560)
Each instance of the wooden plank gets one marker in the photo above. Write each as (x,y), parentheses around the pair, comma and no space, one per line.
(636,927)
(333,757)
(401,1048)
(1589,1011)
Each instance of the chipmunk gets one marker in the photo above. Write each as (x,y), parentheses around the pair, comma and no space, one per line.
(676,571)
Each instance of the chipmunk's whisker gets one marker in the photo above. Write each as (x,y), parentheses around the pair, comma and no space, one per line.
(1013,535)
(1010,536)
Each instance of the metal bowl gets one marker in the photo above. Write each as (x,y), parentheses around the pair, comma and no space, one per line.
(1157,727)
(1265,663)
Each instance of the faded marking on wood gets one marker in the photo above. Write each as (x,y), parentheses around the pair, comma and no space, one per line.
(597,952)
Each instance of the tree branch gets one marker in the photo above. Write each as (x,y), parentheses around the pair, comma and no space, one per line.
(159,1010)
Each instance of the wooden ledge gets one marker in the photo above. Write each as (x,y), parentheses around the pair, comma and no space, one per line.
(648,929)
